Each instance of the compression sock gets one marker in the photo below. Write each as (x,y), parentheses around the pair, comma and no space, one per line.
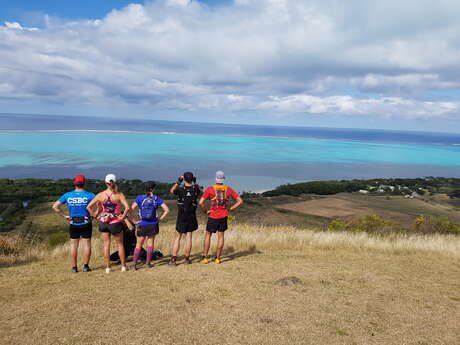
(149,254)
(137,253)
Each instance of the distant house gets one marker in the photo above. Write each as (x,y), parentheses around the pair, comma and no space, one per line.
(363,191)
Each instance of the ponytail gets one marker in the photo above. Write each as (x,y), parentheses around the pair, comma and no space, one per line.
(113,186)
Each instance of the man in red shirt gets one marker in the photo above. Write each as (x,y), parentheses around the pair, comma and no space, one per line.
(220,195)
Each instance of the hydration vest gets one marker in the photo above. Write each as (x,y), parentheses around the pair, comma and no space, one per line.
(220,199)
(148,208)
(186,200)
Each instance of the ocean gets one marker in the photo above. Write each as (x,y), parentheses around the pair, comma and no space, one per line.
(254,158)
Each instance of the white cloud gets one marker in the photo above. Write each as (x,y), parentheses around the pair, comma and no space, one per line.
(347,105)
(272,55)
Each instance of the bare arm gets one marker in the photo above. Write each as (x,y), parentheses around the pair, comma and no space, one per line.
(125,204)
(176,185)
(91,205)
(134,206)
(57,208)
(238,203)
(202,206)
(165,211)
(173,188)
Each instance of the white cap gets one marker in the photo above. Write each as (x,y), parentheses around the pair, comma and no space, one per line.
(110,178)
(220,176)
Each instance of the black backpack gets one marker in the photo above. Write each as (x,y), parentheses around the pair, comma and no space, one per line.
(186,200)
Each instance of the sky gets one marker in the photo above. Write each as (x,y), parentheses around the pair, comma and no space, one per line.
(360,64)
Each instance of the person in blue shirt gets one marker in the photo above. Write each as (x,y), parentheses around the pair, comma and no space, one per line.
(147,226)
(80,225)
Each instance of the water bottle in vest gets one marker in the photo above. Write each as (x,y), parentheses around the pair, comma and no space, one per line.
(148,208)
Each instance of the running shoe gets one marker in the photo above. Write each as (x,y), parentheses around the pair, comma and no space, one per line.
(217,261)
(172,263)
(74,270)
(135,266)
(124,268)
(86,268)
(204,260)
(188,261)
(150,265)
(108,270)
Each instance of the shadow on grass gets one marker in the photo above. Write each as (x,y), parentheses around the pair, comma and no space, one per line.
(230,254)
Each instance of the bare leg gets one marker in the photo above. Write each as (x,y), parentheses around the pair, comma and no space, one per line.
(86,250)
(137,250)
(140,242)
(150,242)
(188,244)
(207,242)
(121,248)
(220,243)
(176,244)
(106,240)
(74,251)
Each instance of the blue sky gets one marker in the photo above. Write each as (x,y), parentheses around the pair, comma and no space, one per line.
(302,63)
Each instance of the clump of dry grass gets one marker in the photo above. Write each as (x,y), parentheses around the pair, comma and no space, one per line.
(18,249)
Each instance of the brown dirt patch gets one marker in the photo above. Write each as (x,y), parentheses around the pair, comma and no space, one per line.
(338,208)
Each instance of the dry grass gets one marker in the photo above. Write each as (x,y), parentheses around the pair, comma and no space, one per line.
(350,289)
(16,249)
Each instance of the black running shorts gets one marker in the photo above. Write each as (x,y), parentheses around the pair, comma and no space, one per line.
(80,231)
(188,226)
(114,228)
(214,225)
(148,230)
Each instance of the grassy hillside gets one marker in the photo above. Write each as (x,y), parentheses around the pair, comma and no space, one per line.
(277,285)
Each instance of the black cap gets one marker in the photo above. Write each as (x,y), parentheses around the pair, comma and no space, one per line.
(149,185)
(188,176)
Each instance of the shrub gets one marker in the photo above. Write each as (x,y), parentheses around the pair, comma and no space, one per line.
(11,245)
(370,223)
(439,224)
(57,239)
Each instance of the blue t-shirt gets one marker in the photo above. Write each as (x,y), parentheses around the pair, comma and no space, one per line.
(158,202)
(76,202)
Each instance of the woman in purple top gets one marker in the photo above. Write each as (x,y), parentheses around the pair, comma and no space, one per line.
(147,226)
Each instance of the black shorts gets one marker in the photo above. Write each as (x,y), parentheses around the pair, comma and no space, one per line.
(114,228)
(148,230)
(83,231)
(184,227)
(219,224)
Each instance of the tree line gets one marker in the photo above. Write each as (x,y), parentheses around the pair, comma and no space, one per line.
(450,186)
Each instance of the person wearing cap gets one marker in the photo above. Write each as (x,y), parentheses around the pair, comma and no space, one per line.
(148,224)
(186,222)
(80,225)
(220,195)
(111,218)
